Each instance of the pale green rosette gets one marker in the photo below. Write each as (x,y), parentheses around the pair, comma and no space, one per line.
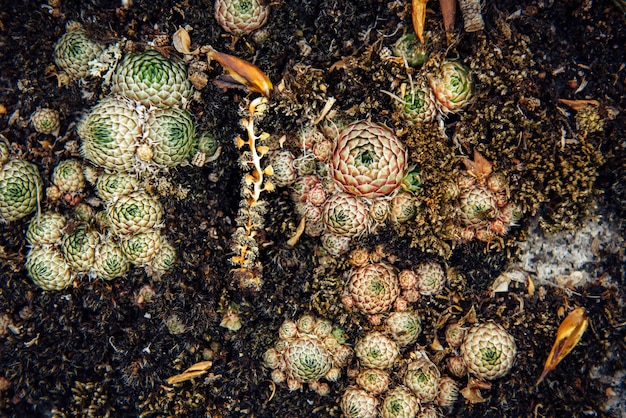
(111,186)
(173,135)
(21,189)
(152,80)
(141,248)
(48,269)
(110,262)
(134,213)
(110,134)
(74,50)
(46,229)
(79,248)
(241,17)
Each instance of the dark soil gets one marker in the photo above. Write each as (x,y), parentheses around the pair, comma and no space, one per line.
(98,350)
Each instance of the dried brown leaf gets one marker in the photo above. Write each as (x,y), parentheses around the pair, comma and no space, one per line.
(196,370)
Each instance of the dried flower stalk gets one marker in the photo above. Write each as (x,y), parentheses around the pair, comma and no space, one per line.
(251,208)
(472,15)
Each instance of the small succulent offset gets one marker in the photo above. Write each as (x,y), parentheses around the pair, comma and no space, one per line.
(74,50)
(375,350)
(241,17)
(399,403)
(372,289)
(488,350)
(358,403)
(345,215)
(308,350)
(152,80)
(369,160)
(419,106)
(410,48)
(134,213)
(46,229)
(21,188)
(46,121)
(422,377)
(453,87)
(47,268)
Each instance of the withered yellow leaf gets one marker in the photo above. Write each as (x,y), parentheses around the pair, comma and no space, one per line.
(243,72)
(196,370)
(568,335)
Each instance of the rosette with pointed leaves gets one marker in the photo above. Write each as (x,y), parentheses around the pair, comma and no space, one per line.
(46,121)
(477,205)
(431,278)
(74,50)
(282,161)
(307,359)
(141,248)
(241,17)
(21,189)
(399,403)
(345,215)
(404,327)
(163,261)
(172,136)
(453,87)
(419,106)
(373,288)
(110,263)
(488,350)
(111,186)
(47,268)
(68,176)
(152,80)
(422,377)
(368,160)
(110,134)
(134,213)
(46,229)
(410,48)
(376,351)
(79,248)
(374,381)
(403,207)
(357,403)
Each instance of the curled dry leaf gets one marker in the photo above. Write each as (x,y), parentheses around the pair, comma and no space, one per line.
(471,392)
(568,335)
(182,42)
(196,370)
(448,11)
(241,73)
(418,17)
(579,104)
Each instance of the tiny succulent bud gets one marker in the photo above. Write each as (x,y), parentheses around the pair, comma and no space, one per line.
(46,121)
(410,48)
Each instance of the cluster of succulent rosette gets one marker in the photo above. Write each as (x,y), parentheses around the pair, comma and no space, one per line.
(348,183)
(308,350)
(102,244)
(141,127)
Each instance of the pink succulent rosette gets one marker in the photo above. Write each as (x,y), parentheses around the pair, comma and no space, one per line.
(368,160)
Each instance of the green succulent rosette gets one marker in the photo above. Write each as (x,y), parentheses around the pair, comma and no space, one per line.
(422,377)
(208,143)
(307,359)
(46,229)
(374,288)
(453,87)
(357,403)
(21,189)
(488,350)
(134,213)
(173,135)
(141,248)
(111,186)
(69,177)
(369,160)
(46,121)
(47,268)
(419,106)
(79,248)
(110,262)
(164,261)
(110,134)
(152,80)
(399,403)
(376,351)
(409,47)
(74,50)
(241,17)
